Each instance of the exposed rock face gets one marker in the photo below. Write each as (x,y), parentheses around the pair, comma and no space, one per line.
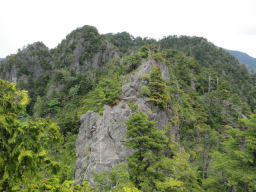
(99,143)
(98,60)
(9,75)
(31,61)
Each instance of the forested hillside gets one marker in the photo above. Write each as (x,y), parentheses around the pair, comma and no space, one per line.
(171,115)
(244,58)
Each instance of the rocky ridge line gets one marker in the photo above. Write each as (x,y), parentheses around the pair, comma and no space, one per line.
(99,143)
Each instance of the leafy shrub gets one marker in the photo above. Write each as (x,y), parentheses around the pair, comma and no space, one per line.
(144,91)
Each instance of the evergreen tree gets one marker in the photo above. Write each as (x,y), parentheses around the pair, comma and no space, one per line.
(238,160)
(157,164)
(24,145)
(107,92)
(149,145)
(158,88)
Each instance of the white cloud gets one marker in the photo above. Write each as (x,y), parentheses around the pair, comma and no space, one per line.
(220,21)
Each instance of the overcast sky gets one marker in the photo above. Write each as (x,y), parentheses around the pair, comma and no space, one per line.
(226,23)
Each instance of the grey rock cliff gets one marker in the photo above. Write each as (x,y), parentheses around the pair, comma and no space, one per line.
(35,58)
(9,75)
(99,143)
(99,58)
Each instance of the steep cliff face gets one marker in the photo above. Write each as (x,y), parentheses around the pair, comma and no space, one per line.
(32,61)
(99,145)
(44,73)
(105,54)
(99,142)
(83,49)
(9,73)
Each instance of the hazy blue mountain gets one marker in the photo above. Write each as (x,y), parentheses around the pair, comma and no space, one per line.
(244,58)
(1,59)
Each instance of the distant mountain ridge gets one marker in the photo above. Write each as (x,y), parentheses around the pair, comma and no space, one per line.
(1,59)
(244,58)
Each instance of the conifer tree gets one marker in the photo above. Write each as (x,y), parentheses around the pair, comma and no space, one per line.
(238,160)
(24,145)
(157,163)
(158,88)
(149,145)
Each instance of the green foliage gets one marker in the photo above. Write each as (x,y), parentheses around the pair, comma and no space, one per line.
(58,77)
(237,161)
(117,180)
(101,182)
(158,56)
(214,58)
(37,88)
(53,105)
(133,106)
(119,177)
(121,40)
(158,88)
(145,77)
(69,118)
(91,44)
(149,145)
(25,145)
(132,61)
(223,106)
(157,164)
(181,176)
(95,100)
(112,89)
(40,107)
(204,145)
(144,91)
(86,39)
(170,184)
(36,54)
(45,106)
(125,41)
(53,184)
(66,157)
(12,101)
(107,92)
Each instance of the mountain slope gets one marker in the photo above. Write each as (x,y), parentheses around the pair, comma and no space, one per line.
(182,105)
(244,58)
(214,58)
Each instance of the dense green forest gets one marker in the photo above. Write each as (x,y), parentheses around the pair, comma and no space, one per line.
(208,96)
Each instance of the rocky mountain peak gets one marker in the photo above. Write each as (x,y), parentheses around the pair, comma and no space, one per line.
(99,143)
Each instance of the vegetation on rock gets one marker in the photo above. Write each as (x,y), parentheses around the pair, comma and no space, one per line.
(208,98)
